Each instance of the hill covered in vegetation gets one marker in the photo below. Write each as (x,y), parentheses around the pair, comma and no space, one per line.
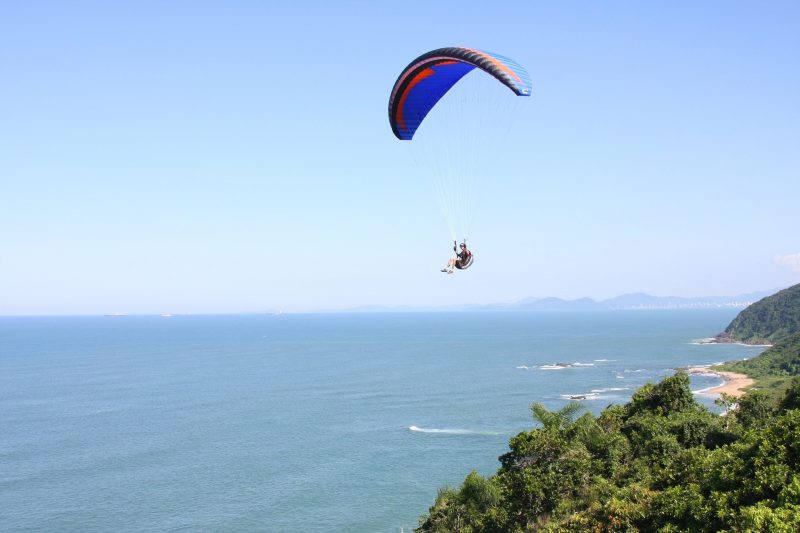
(774,368)
(662,462)
(769,320)
(774,319)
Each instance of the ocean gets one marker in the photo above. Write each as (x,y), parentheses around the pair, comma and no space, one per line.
(302,423)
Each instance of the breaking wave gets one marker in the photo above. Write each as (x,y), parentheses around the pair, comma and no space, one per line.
(595,394)
(580,397)
(703,341)
(707,390)
(416,429)
(560,366)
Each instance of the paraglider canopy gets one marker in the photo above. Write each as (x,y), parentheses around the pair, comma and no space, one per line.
(464,130)
(426,79)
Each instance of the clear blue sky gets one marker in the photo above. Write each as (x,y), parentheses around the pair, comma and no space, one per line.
(236,156)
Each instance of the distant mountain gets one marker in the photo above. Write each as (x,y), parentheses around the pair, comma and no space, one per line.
(639,301)
(557,304)
(768,320)
(647,301)
(636,300)
(625,301)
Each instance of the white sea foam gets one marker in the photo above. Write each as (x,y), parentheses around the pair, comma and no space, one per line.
(713,341)
(708,389)
(580,397)
(523,367)
(703,342)
(560,366)
(416,429)
(752,345)
(594,394)
(604,360)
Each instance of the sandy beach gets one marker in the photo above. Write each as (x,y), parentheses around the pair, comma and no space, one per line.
(735,384)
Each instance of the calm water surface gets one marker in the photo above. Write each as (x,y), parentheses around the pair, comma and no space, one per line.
(297,422)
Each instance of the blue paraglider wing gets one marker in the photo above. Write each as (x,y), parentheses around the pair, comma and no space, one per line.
(426,79)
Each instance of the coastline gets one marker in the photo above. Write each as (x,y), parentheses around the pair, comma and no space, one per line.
(727,338)
(734,383)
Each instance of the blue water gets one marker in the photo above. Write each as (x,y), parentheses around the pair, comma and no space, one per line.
(297,422)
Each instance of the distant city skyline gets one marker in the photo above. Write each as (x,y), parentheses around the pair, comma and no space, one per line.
(237,157)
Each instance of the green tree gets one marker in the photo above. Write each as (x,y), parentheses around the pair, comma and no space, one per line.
(555,420)
(660,463)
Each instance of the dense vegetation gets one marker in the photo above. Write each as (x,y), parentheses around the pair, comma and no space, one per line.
(662,462)
(768,320)
(774,319)
(774,368)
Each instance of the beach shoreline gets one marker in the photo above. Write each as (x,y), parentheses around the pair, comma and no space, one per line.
(734,384)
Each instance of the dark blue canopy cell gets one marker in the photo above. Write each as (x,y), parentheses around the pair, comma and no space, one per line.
(426,79)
